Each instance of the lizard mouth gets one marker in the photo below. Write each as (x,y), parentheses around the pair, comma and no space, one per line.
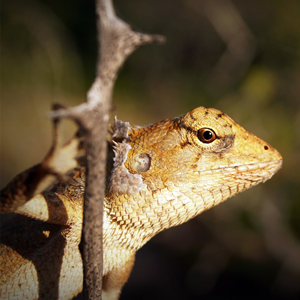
(260,171)
(259,165)
(257,171)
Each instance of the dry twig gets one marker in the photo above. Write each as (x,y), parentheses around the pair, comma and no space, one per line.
(116,41)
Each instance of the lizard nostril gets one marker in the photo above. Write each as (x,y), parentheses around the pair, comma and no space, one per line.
(142,162)
(266,147)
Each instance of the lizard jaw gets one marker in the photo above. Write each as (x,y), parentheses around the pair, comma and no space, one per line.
(261,171)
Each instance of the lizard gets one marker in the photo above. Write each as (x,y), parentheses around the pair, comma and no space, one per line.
(158,176)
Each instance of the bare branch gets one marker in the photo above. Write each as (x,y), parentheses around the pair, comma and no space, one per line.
(116,41)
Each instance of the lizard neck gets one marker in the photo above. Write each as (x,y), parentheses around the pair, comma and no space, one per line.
(133,220)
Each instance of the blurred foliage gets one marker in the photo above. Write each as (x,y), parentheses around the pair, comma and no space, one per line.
(242,57)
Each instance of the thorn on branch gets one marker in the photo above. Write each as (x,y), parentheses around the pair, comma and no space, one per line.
(138,39)
(151,38)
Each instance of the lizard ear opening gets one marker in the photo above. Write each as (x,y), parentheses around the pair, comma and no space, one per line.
(142,162)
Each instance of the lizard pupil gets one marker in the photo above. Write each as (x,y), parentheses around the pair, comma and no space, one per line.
(206,135)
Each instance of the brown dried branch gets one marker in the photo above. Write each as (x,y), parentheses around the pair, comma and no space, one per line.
(116,42)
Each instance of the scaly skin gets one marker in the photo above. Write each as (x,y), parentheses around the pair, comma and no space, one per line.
(162,176)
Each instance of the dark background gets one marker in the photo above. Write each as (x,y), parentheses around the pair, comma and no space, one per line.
(242,57)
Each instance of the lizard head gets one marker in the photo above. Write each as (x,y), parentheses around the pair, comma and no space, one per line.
(191,163)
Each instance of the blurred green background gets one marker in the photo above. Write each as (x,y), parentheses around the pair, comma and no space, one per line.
(242,57)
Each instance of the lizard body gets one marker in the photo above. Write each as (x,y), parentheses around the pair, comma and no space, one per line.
(162,175)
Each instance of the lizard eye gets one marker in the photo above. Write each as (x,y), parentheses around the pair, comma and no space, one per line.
(206,135)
